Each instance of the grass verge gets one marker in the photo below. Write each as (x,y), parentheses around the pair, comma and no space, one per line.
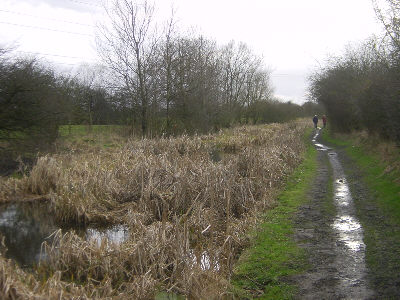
(274,255)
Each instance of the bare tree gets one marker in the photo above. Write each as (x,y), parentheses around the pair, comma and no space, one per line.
(169,57)
(188,78)
(389,16)
(91,79)
(127,44)
(244,80)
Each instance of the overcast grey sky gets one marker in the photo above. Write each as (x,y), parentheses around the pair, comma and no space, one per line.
(293,36)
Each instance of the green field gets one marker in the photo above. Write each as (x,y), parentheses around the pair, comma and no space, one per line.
(95,136)
(84,130)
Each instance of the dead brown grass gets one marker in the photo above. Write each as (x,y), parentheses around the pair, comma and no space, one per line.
(386,151)
(188,215)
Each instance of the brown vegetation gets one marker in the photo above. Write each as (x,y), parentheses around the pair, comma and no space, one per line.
(188,202)
(384,150)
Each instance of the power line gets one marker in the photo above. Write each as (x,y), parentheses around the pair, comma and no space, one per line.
(61,63)
(84,60)
(49,54)
(44,28)
(85,3)
(67,64)
(52,19)
(287,74)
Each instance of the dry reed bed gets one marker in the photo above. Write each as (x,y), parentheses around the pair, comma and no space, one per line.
(187,214)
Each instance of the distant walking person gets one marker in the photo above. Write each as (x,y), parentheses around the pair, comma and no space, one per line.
(324,120)
(315,120)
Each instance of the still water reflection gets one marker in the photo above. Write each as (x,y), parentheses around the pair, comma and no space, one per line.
(115,234)
(25,226)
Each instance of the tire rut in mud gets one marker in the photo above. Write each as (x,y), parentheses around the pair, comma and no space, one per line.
(336,271)
(382,235)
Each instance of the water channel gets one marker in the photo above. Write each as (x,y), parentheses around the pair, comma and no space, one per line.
(25,226)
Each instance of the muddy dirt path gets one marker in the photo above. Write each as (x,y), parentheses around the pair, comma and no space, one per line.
(332,236)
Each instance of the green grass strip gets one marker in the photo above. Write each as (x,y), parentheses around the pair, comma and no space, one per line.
(383,184)
(274,255)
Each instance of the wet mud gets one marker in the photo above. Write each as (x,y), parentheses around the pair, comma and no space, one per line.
(332,236)
(381,234)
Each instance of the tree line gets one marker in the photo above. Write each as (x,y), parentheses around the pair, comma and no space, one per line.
(153,79)
(360,89)
(173,82)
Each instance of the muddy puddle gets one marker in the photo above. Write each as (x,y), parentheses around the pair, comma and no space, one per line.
(204,260)
(347,231)
(116,234)
(215,155)
(25,226)
(169,296)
